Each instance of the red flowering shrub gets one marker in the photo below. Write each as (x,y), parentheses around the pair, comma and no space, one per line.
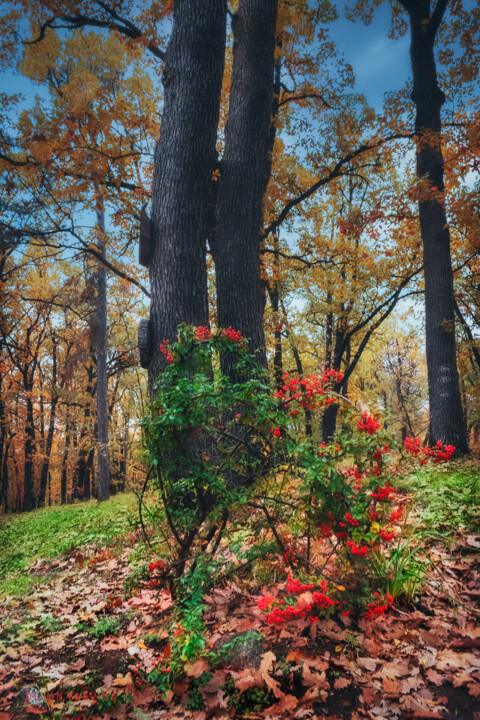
(368,424)
(439,453)
(227,450)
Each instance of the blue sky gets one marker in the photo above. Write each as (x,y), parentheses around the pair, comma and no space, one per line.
(379,63)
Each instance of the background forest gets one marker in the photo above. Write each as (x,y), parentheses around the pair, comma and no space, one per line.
(338,260)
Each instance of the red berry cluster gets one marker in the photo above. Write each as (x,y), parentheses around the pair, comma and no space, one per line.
(234,335)
(319,602)
(439,453)
(413,446)
(383,493)
(376,609)
(168,354)
(202,333)
(357,549)
(368,424)
(351,520)
(305,390)
(396,514)
(387,535)
(380,452)
(295,586)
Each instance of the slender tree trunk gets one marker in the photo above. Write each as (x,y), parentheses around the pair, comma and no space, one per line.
(184,161)
(3,448)
(446,415)
(329,417)
(51,429)
(103,461)
(63,481)
(244,172)
(274,292)
(299,364)
(28,496)
(82,487)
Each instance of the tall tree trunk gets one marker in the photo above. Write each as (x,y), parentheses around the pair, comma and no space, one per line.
(5,477)
(244,172)
(446,415)
(29,449)
(3,448)
(103,461)
(299,364)
(63,481)
(51,428)
(82,488)
(274,288)
(184,161)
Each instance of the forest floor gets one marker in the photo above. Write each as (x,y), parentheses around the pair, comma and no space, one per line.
(80,632)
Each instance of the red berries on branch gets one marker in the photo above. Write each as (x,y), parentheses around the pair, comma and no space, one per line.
(368,424)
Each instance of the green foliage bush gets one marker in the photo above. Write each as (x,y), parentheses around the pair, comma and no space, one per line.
(227,464)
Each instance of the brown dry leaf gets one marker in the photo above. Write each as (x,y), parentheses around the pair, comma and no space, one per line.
(123,680)
(314,679)
(411,683)
(367,663)
(197,668)
(434,677)
(286,704)
(373,647)
(266,665)
(448,660)
(474,689)
(248,678)
(143,697)
(341,683)
(461,678)
(313,694)
(396,668)
(390,685)
(421,711)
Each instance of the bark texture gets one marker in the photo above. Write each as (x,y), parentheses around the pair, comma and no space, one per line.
(244,172)
(446,415)
(184,161)
(103,460)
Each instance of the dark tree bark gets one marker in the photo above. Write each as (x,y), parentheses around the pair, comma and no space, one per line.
(82,487)
(184,160)
(244,172)
(63,481)
(103,461)
(29,449)
(446,415)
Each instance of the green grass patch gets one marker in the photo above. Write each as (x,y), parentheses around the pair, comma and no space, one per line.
(49,532)
(447,499)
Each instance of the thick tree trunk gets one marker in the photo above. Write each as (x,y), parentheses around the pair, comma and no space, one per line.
(244,172)
(329,422)
(184,160)
(446,415)
(103,461)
